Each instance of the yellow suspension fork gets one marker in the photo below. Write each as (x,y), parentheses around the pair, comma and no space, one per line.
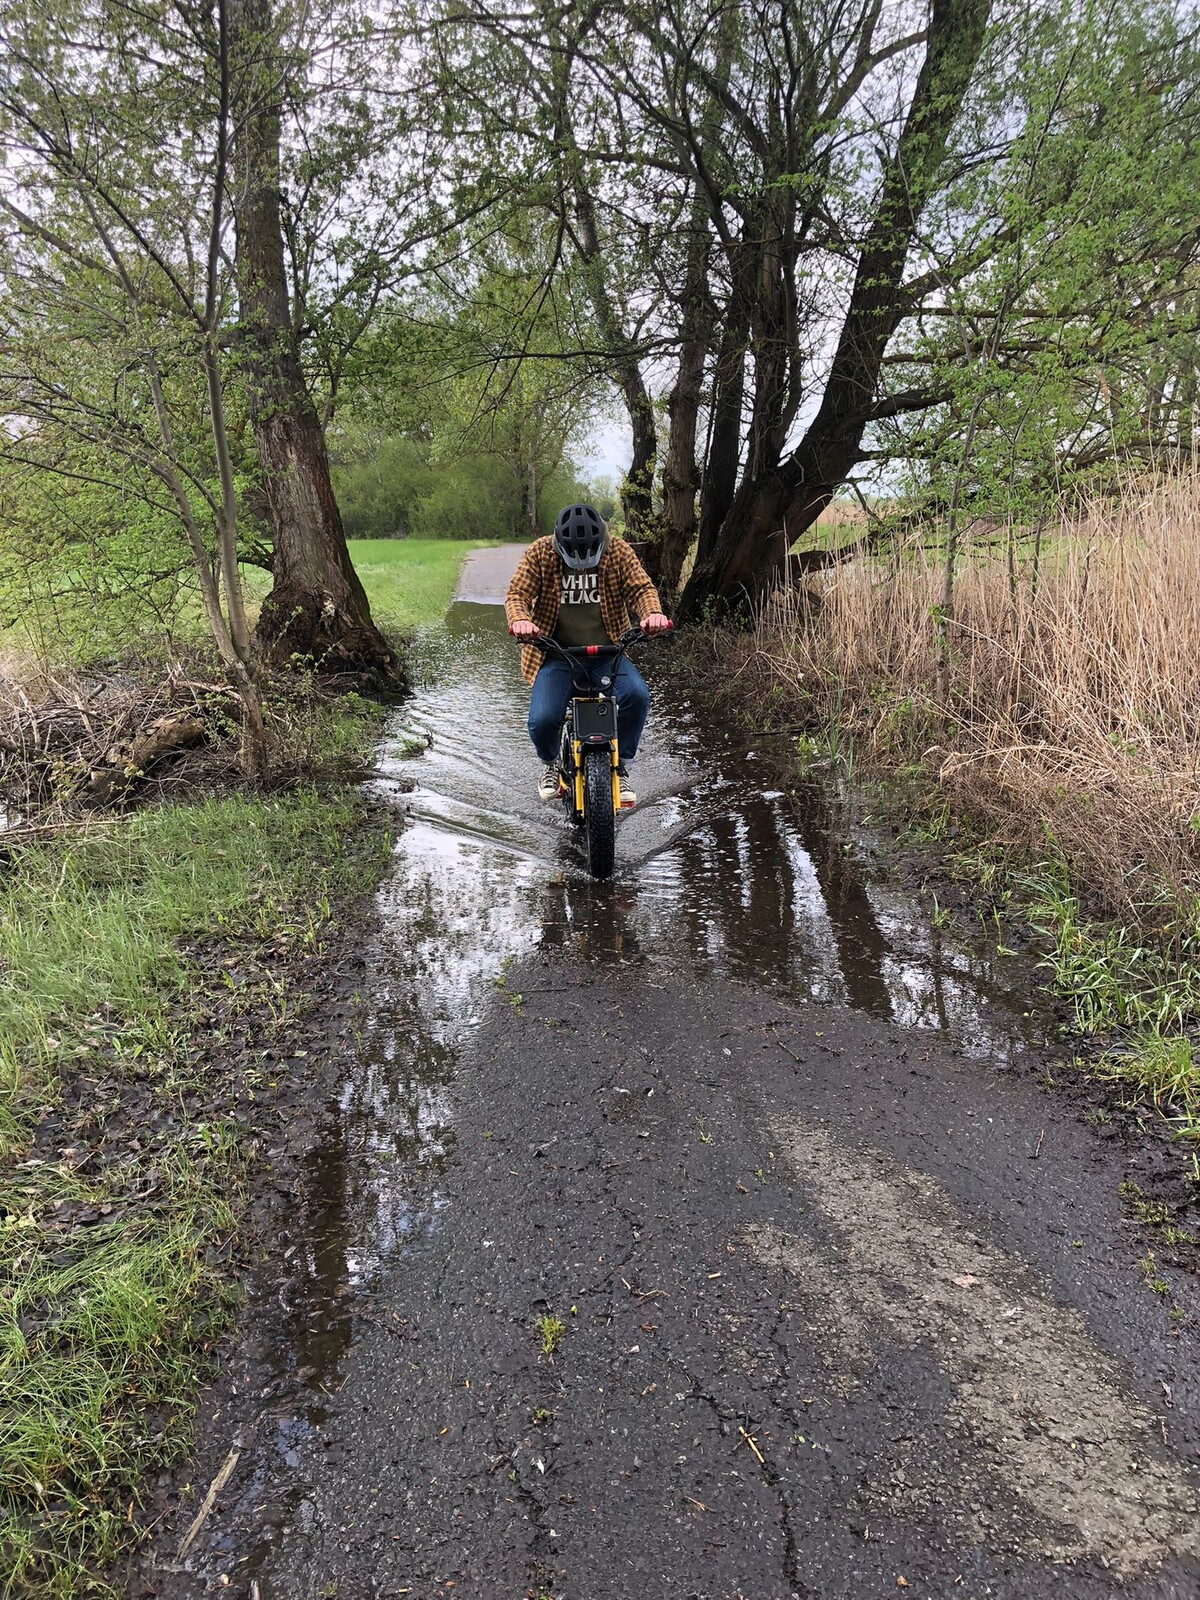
(577,758)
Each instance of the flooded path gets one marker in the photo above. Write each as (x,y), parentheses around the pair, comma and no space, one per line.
(704,1233)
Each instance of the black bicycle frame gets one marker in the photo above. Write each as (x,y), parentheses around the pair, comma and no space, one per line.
(593,706)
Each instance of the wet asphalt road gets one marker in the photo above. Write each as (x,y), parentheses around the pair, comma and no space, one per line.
(703,1234)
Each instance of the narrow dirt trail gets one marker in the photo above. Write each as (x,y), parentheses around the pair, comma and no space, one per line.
(842,1302)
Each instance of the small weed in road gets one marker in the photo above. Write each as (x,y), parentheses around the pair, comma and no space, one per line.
(550,1331)
(1148,1267)
(705,1136)
(1151,1212)
(1154,1214)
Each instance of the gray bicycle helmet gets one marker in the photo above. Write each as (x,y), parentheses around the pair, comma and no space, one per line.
(580,536)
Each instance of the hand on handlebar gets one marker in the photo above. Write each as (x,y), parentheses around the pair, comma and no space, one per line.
(656,623)
(520,629)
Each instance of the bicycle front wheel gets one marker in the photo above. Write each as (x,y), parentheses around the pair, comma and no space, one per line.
(598,812)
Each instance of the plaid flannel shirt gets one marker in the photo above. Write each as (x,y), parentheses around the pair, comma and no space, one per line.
(533,595)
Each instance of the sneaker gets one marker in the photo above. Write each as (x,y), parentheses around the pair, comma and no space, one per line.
(628,798)
(548,783)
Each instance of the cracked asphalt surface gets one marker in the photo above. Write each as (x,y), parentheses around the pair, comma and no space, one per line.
(707,1234)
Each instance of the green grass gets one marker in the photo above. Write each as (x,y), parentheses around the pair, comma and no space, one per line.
(113,949)
(550,1331)
(410,582)
(1159,1071)
(1115,976)
(1139,989)
(125,1100)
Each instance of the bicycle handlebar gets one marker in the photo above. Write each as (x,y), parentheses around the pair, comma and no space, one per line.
(577,655)
(578,652)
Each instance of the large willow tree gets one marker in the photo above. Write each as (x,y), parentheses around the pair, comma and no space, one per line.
(810,231)
(226,188)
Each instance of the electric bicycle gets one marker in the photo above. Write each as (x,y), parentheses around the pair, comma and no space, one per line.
(589,784)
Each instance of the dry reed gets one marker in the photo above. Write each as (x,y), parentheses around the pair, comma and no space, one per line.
(1072,719)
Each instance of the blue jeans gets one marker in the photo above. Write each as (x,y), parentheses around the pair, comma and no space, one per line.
(552,690)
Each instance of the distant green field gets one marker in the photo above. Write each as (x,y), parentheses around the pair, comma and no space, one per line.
(410,581)
(69,618)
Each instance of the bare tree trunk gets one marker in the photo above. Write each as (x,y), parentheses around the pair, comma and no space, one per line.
(725,440)
(775,505)
(637,487)
(681,475)
(317,608)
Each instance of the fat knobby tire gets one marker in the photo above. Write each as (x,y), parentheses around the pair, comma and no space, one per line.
(598,812)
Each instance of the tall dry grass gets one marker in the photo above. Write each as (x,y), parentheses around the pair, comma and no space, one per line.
(1072,717)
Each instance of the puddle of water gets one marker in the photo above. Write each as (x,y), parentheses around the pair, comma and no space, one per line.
(717,872)
(716,868)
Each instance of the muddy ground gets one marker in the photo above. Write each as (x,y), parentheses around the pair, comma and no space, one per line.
(710,1233)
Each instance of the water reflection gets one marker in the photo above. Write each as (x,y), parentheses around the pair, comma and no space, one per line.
(719,870)
(716,868)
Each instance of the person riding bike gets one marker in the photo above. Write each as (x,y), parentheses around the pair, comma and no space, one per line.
(579,587)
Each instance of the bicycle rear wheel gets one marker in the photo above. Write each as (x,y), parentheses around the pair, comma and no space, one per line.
(598,812)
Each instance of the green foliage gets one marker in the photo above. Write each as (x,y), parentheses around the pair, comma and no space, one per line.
(1072,349)
(1140,989)
(1160,1071)
(379,480)
(90,567)
(395,486)
(1116,976)
(466,404)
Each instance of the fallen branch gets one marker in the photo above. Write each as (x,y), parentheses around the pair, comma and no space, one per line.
(210,1500)
(126,764)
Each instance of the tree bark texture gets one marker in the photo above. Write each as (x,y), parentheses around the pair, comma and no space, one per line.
(317,609)
(681,476)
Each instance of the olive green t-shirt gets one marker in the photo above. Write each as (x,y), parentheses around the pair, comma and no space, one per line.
(579,611)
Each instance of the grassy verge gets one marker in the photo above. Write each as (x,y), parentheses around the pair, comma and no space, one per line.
(135,959)
(71,618)
(410,581)
(151,970)
(1056,711)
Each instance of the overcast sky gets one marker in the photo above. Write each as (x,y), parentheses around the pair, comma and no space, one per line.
(607,449)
